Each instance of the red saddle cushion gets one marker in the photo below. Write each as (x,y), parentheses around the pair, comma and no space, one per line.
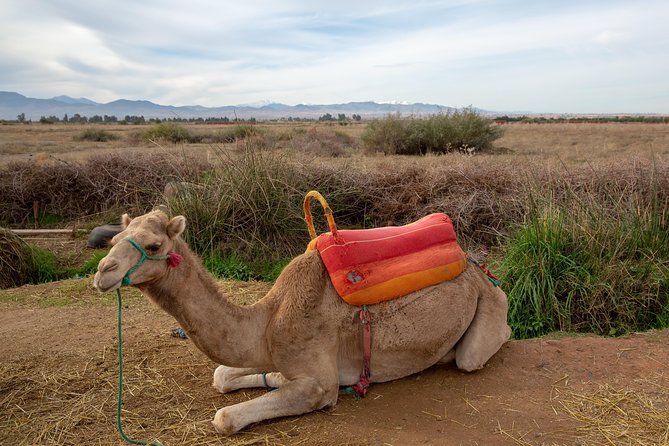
(373,265)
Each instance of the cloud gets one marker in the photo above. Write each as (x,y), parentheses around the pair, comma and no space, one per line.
(506,55)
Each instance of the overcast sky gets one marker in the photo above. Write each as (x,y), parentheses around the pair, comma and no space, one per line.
(509,55)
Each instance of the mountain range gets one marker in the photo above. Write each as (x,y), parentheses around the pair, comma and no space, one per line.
(12,104)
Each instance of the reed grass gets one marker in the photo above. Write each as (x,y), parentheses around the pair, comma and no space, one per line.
(586,265)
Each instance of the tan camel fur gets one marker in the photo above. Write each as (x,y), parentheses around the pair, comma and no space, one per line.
(307,339)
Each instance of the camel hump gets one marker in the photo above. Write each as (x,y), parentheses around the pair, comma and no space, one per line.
(303,280)
(374,265)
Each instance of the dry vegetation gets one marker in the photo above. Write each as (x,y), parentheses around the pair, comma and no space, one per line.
(574,174)
(576,215)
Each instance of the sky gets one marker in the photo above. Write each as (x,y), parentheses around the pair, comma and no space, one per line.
(564,56)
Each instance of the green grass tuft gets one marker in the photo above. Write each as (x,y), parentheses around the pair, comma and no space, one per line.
(228,267)
(583,267)
(232,266)
(42,266)
(166,131)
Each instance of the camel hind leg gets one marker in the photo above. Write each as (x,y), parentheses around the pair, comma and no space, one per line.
(487,332)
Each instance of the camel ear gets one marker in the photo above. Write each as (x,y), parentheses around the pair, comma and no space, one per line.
(125,221)
(176,226)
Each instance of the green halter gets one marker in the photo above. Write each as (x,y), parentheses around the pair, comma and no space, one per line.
(126,279)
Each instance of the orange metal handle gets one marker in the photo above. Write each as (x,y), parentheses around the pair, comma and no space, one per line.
(309,219)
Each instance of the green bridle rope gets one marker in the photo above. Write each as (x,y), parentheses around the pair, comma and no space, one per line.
(126,281)
(144,257)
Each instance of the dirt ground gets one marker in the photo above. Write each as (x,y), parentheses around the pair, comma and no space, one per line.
(58,378)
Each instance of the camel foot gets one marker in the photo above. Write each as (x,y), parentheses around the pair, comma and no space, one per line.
(223,423)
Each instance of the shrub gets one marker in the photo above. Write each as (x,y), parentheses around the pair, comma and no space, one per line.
(95,135)
(90,266)
(21,263)
(228,135)
(166,131)
(460,131)
(388,135)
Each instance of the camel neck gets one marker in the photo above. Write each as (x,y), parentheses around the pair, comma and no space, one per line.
(228,334)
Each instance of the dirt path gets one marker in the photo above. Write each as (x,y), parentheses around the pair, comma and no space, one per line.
(58,378)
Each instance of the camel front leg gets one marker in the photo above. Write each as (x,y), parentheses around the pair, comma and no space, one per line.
(229,379)
(297,396)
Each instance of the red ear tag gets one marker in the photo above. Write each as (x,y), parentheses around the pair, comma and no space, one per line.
(174,260)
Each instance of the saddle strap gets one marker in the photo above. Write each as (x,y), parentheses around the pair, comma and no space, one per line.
(363,383)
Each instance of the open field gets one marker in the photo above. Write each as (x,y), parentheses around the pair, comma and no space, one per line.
(587,142)
(43,141)
(602,187)
(573,143)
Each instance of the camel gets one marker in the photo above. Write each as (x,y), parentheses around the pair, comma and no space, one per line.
(301,338)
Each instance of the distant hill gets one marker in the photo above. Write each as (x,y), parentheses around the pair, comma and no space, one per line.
(13,104)
(73,101)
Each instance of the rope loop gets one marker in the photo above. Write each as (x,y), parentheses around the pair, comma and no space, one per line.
(326,208)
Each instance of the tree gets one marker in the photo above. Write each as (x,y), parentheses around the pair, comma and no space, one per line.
(21,117)
(48,120)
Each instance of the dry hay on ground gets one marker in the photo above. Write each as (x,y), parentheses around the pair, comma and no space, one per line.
(613,415)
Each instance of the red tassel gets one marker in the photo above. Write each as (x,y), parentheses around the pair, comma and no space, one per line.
(174,260)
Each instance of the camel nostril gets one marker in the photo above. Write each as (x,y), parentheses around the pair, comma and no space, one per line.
(108,266)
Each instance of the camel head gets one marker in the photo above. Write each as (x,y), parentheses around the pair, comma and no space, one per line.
(141,252)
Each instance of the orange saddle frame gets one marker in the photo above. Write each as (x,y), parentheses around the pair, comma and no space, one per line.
(369,266)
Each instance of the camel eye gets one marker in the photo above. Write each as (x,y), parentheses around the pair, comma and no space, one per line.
(153,248)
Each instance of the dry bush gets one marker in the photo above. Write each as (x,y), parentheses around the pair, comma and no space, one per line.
(14,260)
(321,142)
(480,196)
(98,185)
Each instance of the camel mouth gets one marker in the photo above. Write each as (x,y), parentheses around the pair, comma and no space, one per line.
(103,285)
